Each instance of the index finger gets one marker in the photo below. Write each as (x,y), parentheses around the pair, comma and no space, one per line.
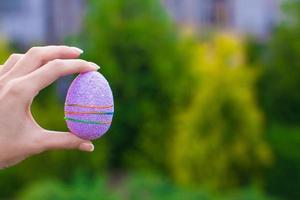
(38,56)
(50,72)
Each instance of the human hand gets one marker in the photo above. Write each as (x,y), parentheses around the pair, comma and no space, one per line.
(21,78)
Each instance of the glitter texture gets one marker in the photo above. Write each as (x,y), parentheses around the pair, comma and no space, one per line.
(89,93)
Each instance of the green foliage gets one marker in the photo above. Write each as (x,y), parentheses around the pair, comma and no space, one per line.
(218,139)
(280,82)
(133,187)
(284,176)
(4,51)
(80,189)
(280,99)
(142,57)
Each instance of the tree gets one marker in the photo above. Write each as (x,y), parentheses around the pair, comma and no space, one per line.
(279,93)
(139,51)
(218,139)
(280,80)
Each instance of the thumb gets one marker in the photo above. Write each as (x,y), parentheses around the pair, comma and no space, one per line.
(64,140)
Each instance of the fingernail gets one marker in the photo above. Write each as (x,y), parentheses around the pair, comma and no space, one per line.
(86,146)
(95,65)
(77,49)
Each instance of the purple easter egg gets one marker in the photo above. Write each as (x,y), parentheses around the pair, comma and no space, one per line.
(89,106)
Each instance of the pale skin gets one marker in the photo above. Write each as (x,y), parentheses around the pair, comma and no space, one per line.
(22,76)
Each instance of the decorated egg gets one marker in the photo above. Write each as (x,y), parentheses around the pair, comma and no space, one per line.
(89,106)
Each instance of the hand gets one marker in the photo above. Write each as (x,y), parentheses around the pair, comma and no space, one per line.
(21,78)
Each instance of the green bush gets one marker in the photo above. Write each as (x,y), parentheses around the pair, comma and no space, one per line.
(132,187)
(218,140)
(280,81)
(280,99)
(284,177)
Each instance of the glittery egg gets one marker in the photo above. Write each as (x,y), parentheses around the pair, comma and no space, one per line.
(89,106)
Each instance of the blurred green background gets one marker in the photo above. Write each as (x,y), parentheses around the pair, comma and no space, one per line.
(207,101)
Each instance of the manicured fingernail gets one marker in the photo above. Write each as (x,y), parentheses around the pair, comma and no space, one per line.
(86,147)
(77,49)
(95,65)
